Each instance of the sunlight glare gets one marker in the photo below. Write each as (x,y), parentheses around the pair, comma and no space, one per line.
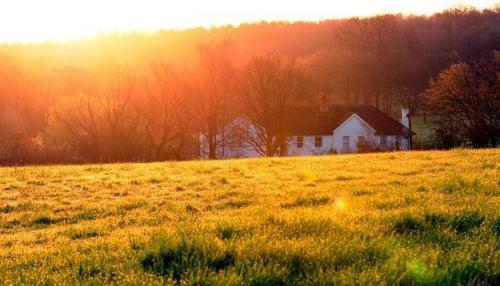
(340,204)
(35,20)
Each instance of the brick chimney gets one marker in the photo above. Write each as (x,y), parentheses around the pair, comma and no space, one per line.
(406,122)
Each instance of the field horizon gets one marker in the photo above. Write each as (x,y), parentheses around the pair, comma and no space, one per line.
(401,218)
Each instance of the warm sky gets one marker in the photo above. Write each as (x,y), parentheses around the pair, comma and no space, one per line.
(42,20)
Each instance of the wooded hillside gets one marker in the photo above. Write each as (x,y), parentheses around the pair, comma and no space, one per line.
(141,97)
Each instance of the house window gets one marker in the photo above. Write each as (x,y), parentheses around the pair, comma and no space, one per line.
(398,142)
(318,141)
(345,142)
(383,141)
(361,139)
(300,142)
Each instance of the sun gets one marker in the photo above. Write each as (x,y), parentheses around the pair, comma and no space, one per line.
(39,20)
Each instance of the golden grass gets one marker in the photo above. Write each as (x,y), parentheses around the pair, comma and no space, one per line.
(393,218)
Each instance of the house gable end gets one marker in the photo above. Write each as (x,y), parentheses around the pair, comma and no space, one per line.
(354,115)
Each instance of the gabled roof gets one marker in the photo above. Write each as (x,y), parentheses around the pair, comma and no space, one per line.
(310,120)
(354,115)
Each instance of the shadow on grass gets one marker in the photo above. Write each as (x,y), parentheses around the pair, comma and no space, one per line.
(307,202)
(449,233)
(178,257)
(462,223)
(194,260)
(197,260)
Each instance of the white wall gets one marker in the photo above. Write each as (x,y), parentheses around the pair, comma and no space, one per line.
(353,127)
(390,142)
(238,152)
(405,143)
(224,149)
(309,147)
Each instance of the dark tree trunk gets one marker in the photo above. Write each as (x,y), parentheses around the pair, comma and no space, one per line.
(212,148)
(269,146)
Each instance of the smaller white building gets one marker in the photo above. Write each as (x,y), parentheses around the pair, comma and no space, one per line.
(317,131)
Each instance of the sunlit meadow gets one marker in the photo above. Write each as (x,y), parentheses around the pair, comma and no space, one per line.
(392,218)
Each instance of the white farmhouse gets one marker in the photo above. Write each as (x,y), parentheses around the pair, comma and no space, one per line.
(316,131)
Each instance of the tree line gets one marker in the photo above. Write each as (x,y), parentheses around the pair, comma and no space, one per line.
(137,97)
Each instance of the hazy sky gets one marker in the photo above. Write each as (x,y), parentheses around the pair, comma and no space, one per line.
(40,20)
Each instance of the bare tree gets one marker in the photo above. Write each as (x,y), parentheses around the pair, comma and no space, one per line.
(213,90)
(102,120)
(122,120)
(82,125)
(164,111)
(271,83)
(375,42)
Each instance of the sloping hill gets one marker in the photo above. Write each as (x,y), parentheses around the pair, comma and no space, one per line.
(394,218)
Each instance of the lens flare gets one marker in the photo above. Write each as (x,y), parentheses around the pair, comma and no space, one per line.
(340,204)
(417,269)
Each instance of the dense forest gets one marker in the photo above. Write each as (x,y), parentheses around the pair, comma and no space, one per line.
(145,97)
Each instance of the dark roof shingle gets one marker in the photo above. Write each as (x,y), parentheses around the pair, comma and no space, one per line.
(310,120)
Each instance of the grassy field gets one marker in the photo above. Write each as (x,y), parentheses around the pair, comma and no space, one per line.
(393,218)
